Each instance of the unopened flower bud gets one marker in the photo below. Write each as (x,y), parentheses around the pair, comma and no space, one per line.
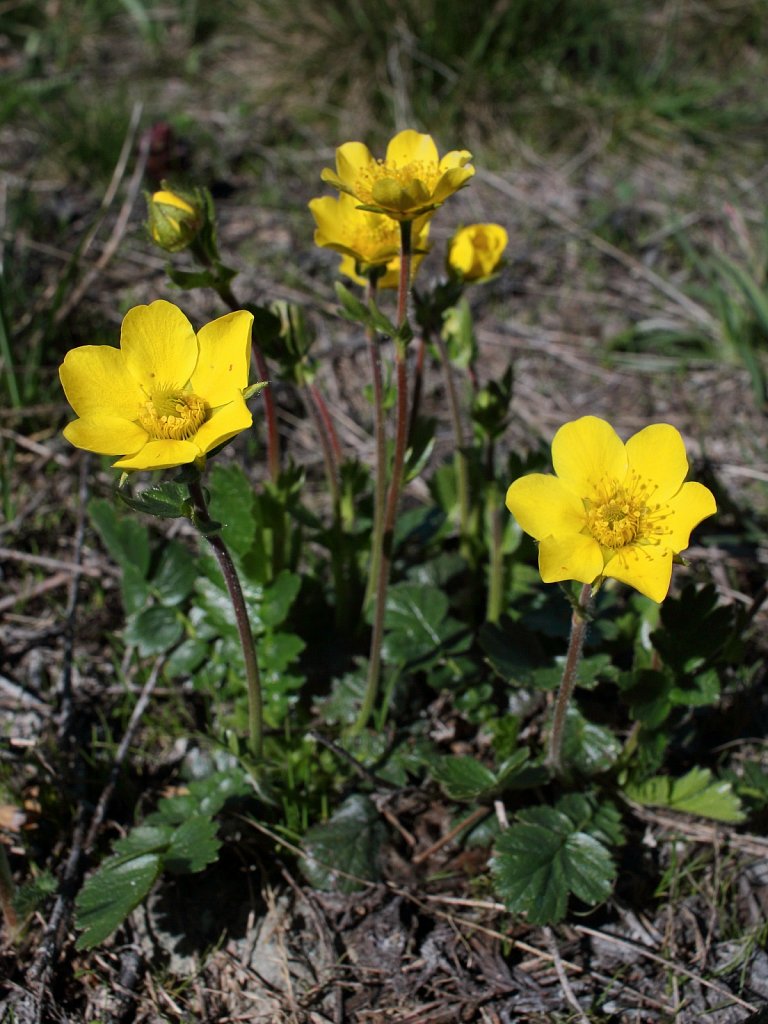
(175,218)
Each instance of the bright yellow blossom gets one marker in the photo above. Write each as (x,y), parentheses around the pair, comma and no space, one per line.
(613,509)
(365,239)
(167,396)
(475,251)
(411,180)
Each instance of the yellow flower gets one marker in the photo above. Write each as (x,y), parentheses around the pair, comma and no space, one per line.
(613,509)
(475,252)
(166,397)
(174,218)
(365,239)
(410,181)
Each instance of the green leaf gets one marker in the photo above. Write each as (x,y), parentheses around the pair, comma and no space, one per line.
(513,651)
(462,778)
(111,893)
(154,630)
(369,316)
(540,861)
(589,748)
(344,852)
(697,792)
(417,627)
(193,846)
(189,279)
(166,500)
(176,573)
(232,502)
(124,538)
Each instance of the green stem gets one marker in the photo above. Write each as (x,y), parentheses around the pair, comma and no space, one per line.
(395,486)
(228,571)
(380,452)
(579,620)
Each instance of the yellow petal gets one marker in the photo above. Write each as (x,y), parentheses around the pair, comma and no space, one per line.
(543,506)
(160,455)
(159,346)
(351,159)
(408,146)
(457,158)
(647,568)
(347,268)
(107,435)
(657,454)
(96,380)
(574,557)
(332,178)
(225,355)
(586,452)
(450,182)
(223,424)
(326,211)
(692,503)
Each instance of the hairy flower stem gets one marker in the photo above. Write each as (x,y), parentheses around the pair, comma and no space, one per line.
(380,450)
(579,620)
(228,571)
(395,486)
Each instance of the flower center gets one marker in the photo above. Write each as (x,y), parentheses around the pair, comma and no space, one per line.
(616,521)
(427,172)
(173,415)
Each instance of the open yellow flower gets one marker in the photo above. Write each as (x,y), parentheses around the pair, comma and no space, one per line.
(410,181)
(613,509)
(475,251)
(365,239)
(167,396)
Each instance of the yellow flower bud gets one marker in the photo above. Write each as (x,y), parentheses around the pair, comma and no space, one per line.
(475,252)
(175,218)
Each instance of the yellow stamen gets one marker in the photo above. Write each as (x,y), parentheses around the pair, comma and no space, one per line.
(173,415)
(425,171)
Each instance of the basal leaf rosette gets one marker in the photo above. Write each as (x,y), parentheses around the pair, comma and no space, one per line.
(612,509)
(410,181)
(167,396)
(475,252)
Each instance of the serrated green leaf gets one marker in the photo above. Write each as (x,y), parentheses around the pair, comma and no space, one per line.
(346,848)
(111,893)
(697,792)
(539,862)
(154,630)
(462,778)
(167,500)
(588,747)
(125,539)
(142,839)
(417,627)
(176,573)
(193,846)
